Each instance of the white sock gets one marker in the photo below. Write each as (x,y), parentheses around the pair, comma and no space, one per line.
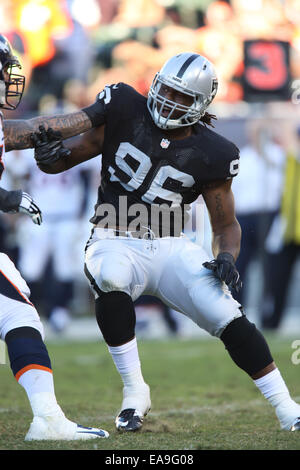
(127,362)
(136,393)
(39,387)
(274,389)
(36,381)
(272,384)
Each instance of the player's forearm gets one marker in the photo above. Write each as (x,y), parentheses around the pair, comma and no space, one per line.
(80,152)
(17,132)
(227,239)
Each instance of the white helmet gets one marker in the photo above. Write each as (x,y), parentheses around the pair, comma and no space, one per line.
(188,73)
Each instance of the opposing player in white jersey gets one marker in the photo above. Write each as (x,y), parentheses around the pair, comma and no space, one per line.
(160,151)
(63,200)
(20,325)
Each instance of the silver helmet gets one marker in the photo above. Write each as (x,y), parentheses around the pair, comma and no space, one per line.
(188,73)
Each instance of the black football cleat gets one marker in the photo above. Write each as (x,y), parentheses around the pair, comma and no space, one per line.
(296,425)
(129,420)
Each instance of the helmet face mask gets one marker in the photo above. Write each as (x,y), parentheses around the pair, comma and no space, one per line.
(11,84)
(193,76)
(179,115)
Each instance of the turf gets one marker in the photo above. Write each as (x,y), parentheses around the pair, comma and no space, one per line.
(200,399)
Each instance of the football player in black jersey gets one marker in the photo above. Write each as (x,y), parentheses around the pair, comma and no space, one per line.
(159,152)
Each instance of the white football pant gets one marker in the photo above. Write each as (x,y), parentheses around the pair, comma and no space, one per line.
(168,268)
(16,310)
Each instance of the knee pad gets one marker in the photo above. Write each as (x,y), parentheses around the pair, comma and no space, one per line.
(246,346)
(26,350)
(115,276)
(115,316)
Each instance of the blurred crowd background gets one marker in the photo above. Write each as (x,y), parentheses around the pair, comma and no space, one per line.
(71,49)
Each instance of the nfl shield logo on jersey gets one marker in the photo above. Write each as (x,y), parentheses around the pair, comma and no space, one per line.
(165,143)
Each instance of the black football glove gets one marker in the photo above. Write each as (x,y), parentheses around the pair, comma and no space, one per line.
(48,146)
(224,268)
(28,206)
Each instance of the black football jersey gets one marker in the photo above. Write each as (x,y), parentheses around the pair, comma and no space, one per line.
(143,170)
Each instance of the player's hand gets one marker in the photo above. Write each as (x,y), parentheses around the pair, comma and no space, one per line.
(28,206)
(48,146)
(224,268)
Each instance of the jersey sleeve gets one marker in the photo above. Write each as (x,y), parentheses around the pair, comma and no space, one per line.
(223,157)
(232,162)
(218,159)
(105,100)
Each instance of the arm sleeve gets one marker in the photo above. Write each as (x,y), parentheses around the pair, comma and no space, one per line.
(10,200)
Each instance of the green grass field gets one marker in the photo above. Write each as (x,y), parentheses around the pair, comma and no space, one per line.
(200,399)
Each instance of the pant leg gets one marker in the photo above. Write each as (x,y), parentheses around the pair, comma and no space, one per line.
(255,228)
(34,250)
(277,285)
(16,310)
(117,265)
(188,287)
(248,251)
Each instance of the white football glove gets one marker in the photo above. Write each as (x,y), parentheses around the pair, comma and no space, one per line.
(28,206)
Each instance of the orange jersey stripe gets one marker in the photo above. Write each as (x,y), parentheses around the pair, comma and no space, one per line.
(30,367)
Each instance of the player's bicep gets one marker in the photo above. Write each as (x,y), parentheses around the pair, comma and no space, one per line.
(219,201)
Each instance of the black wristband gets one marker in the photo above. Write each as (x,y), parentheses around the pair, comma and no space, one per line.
(96,113)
